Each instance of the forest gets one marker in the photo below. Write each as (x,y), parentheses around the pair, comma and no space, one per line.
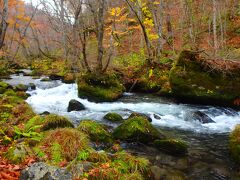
(119,90)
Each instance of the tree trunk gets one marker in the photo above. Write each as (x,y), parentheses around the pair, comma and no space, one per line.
(100,33)
(215,43)
(4,24)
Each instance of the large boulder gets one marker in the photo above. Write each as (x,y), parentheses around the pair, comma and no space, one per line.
(205,81)
(75,105)
(40,170)
(137,129)
(100,88)
(198,116)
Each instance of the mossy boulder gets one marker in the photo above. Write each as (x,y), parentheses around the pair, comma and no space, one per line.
(100,88)
(113,117)
(205,81)
(171,146)
(137,129)
(135,114)
(234,144)
(53,121)
(21,87)
(96,131)
(69,78)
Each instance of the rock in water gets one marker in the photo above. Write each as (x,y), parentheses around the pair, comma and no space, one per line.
(75,105)
(21,87)
(157,117)
(32,86)
(55,77)
(199,116)
(135,114)
(113,117)
(137,129)
(40,171)
(100,88)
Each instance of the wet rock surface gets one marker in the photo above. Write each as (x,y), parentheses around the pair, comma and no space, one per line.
(198,116)
(75,105)
(41,171)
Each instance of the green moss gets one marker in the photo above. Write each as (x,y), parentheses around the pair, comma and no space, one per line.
(96,131)
(190,79)
(171,146)
(113,117)
(69,78)
(100,88)
(137,129)
(234,145)
(3,87)
(53,121)
(21,87)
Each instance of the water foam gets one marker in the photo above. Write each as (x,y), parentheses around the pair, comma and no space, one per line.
(55,100)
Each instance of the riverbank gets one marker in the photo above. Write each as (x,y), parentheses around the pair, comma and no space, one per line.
(204,159)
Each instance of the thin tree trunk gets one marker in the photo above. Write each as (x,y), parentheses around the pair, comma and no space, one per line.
(4,24)
(100,34)
(215,43)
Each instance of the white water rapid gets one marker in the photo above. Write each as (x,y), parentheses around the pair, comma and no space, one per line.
(55,100)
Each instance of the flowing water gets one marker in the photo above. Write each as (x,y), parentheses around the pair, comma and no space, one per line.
(208,156)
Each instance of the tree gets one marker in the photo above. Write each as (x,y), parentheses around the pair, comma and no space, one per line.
(4,24)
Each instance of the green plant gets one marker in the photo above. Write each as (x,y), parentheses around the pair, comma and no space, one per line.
(56,153)
(31,134)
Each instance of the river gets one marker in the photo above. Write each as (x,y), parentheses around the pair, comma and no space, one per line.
(208,156)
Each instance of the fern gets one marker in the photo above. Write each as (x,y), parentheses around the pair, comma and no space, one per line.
(83,155)
(56,153)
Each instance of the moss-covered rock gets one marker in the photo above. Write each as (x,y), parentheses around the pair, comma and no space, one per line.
(113,117)
(69,78)
(135,114)
(234,145)
(46,79)
(195,78)
(96,131)
(53,121)
(171,146)
(100,88)
(137,129)
(21,87)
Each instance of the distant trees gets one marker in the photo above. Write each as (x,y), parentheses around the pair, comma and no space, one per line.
(88,34)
